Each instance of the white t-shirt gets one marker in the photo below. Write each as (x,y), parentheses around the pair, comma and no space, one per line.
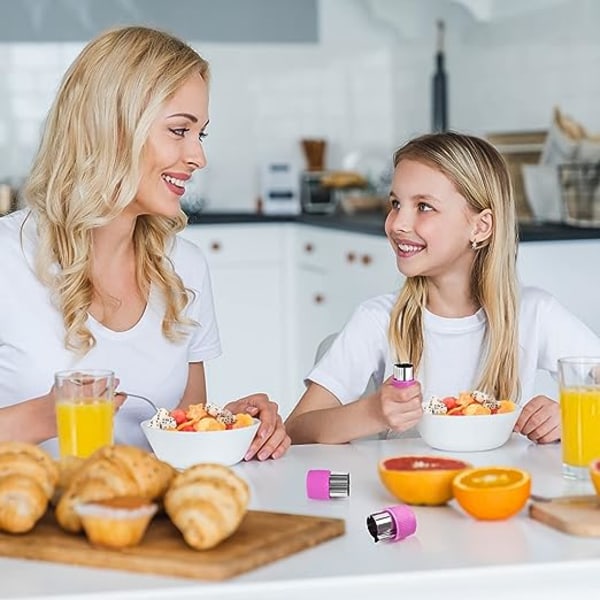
(453,347)
(32,334)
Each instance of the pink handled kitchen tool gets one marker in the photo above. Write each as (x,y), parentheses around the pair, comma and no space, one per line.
(403,375)
(393,523)
(322,484)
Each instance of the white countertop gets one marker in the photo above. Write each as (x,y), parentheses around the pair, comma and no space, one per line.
(450,554)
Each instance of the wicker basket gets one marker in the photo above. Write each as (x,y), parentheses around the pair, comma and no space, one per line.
(580,191)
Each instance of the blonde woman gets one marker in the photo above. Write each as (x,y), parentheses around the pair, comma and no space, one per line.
(93,274)
(460,317)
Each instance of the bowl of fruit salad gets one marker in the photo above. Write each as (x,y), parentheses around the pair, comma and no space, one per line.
(468,422)
(202,433)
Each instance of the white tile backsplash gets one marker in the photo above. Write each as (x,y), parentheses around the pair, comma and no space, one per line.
(365,87)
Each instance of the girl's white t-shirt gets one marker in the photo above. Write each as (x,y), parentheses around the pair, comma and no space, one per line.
(32,334)
(453,348)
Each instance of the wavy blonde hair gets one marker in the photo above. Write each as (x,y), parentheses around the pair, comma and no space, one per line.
(88,166)
(481,176)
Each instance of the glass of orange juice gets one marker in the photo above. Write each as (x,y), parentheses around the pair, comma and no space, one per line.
(84,410)
(579,381)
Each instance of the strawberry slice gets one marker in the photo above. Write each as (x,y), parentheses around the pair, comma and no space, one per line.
(179,415)
(450,402)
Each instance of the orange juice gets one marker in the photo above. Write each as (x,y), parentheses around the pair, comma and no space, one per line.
(84,425)
(580,419)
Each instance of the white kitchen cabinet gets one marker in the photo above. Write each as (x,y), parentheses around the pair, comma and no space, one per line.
(280,289)
(248,270)
(334,272)
(569,271)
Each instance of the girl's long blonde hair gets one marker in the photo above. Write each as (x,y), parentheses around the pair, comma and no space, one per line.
(481,176)
(87,170)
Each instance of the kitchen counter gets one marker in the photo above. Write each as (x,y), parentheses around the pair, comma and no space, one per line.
(372,223)
(451,556)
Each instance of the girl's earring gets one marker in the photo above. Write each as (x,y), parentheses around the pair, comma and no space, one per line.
(473,244)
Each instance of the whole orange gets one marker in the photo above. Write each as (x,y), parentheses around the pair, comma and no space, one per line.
(595,474)
(425,480)
(492,493)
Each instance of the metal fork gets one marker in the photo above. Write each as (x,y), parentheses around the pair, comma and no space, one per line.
(130,395)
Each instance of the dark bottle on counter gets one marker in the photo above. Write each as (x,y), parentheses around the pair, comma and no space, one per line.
(439,88)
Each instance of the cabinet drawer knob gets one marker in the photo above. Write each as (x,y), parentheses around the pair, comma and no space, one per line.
(366,259)
(319,298)
(308,247)
(350,257)
(215,246)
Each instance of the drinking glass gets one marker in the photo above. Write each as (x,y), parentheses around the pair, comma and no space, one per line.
(84,411)
(579,383)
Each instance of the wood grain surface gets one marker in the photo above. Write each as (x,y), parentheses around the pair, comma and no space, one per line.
(574,517)
(262,538)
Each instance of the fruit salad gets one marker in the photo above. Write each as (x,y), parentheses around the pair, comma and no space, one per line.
(199,417)
(468,403)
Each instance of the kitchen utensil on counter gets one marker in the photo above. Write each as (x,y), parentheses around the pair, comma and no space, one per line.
(163,551)
(579,386)
(322,484)
(393,523)
(314,153)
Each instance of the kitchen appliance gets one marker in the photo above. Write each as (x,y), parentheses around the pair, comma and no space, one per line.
(315,197)
(280,188)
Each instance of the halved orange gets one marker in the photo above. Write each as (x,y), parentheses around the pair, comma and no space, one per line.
(492,493)
(595,474)
(425,480)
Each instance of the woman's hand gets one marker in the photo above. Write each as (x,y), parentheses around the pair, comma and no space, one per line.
(400,408)
(271,439)
(540,420)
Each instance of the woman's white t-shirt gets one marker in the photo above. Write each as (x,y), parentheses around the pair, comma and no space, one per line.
(452,348)
(32,334)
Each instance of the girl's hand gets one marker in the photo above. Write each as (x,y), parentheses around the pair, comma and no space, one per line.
(271,439)
(540,420)
(400,408)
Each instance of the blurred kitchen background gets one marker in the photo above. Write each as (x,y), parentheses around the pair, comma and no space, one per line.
(356,73)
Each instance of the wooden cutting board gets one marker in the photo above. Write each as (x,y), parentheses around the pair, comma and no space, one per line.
(577,516)
(262,537)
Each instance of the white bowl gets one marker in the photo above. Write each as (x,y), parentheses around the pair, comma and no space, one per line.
(182,449)
(467,433)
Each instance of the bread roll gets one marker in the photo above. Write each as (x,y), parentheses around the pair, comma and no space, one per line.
(23,502)
(206,502)
(28,477)
(112,472)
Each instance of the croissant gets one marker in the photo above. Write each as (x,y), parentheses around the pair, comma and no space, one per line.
(206,502)
(28,477)
(112,472)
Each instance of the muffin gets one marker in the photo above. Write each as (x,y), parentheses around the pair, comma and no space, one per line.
(118,522)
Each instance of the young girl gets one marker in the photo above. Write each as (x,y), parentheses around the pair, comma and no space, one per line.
(460,317)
